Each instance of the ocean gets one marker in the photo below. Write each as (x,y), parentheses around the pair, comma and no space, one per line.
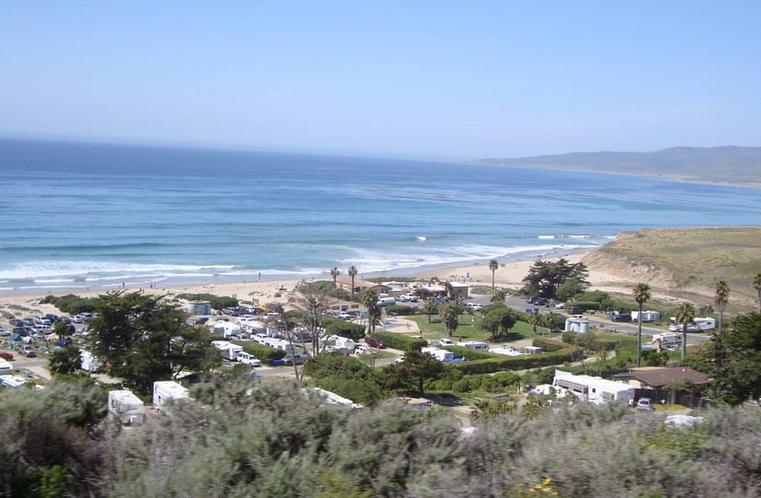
(83,216)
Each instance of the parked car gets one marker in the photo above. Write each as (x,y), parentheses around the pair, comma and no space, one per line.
(620,317)
(248,359)
(446,342)
(27,351)
(645,404)
(574,310)
(6,356)
(474,306)
(375,343)
(15,322)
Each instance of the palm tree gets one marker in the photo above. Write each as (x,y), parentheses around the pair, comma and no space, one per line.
(685,316)
(535,319)
(493,266)
(429,308)
(499,296)
(334,273)
(370,301)
(642,295)
(722,297)
(757,286)
(352,273)
(450,315)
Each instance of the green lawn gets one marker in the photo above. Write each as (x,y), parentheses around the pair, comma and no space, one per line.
(468,331)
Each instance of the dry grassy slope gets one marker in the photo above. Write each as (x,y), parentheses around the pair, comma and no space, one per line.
(684,259)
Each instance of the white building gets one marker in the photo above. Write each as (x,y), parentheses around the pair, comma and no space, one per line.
(168,390)
(575,324)
(439,354)
(125,407)
(594,389)
(647,316)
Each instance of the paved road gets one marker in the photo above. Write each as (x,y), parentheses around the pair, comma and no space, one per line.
(595,321)
(38,366)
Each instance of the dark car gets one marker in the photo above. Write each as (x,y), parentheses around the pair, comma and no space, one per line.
(6,356)
(375,343)
(621,317)
(15,322)
(574,310)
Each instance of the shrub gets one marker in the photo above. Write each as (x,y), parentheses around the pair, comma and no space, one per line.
(217,302)
(399,341)
(559,356)
(334,326)
(325,287)
(347,377)
(586,305)
(403,309)
(71,304)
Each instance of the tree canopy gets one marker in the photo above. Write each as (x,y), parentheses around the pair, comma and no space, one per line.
(545,277)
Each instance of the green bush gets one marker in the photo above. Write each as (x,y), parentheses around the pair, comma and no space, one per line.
(403,309)
(399,341)
(71,304)
(559,356)
(586,305)
(346,376)
(263,353)
(217,302)
(334,326)
(324,287)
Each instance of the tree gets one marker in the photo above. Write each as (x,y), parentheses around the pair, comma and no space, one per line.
(313,303)
(685,316)
(145,339)
(722,297)
(450,315)
(412,373)
(493,266)
(499,296)
(429,308)
(757,286)
(63,330)
(370,301)
(734,362)
(65,361)
(641,293)
(352,273)
(544,277)
(499,319)
(535,319)
(334,273)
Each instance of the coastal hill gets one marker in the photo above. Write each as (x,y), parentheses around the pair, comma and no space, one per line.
(685,262)
(730,164)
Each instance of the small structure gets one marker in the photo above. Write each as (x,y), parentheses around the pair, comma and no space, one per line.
(668,341)
(439,354)
(338,344)
(593,389)
(531,350)
(12,381)
(6,367)
(659,378)
(458,290)
(198,308)
(165,391)
(90,363)
(228,349)
(125,407)
(647,316)
(508,351)
(576,324)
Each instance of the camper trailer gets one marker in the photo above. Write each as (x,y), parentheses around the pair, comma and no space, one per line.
(477,345)
(229,350)
(167,390)
(125,407)
(697,325)
(336,343)
(89,362)
(594,389)
(439,354)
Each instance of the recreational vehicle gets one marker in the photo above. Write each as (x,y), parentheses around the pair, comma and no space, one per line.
(667,341)
(477,345)
(594,389)
(439,354)
(229,350)
(125,407)
(697,325)
(167,390)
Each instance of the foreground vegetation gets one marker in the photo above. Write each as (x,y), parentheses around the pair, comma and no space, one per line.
(244,438)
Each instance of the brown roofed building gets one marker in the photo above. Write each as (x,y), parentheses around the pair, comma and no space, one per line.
(658,378)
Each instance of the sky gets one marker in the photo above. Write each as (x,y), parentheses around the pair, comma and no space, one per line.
(420,79)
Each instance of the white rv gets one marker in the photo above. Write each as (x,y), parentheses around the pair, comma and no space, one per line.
(647,316)
(89,362)
(439,354)
(574,324)
(125,407)
(229,350)
(594,389)
(167,390)
(334,399)
(477,345)
(697,325)
(339,344)
(6,367)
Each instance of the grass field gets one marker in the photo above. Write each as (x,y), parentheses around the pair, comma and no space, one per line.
(684,257)
(468,331)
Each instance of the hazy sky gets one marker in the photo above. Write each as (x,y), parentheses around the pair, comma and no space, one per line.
(431,79)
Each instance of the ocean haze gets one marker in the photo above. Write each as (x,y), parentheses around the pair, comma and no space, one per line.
(84,215)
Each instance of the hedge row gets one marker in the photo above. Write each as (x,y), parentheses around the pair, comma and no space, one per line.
(559,356)
(399,341)
(264,353)
(334,326)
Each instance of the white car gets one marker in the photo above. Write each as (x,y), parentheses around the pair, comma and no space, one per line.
(446,342)
(360,349)
(248,359)
(475,306)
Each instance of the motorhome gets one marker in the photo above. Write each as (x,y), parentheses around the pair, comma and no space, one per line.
(594,389)
(229,350)
(125,407)
(477,345)
(167,390)
(647,316)
(439,354)
(697,325)
(506,351)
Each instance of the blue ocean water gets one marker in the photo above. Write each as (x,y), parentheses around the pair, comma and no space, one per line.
(84,215)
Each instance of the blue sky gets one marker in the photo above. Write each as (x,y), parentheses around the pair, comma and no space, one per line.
(453,80)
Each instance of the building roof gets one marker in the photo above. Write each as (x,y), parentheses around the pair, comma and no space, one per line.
(665,376)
